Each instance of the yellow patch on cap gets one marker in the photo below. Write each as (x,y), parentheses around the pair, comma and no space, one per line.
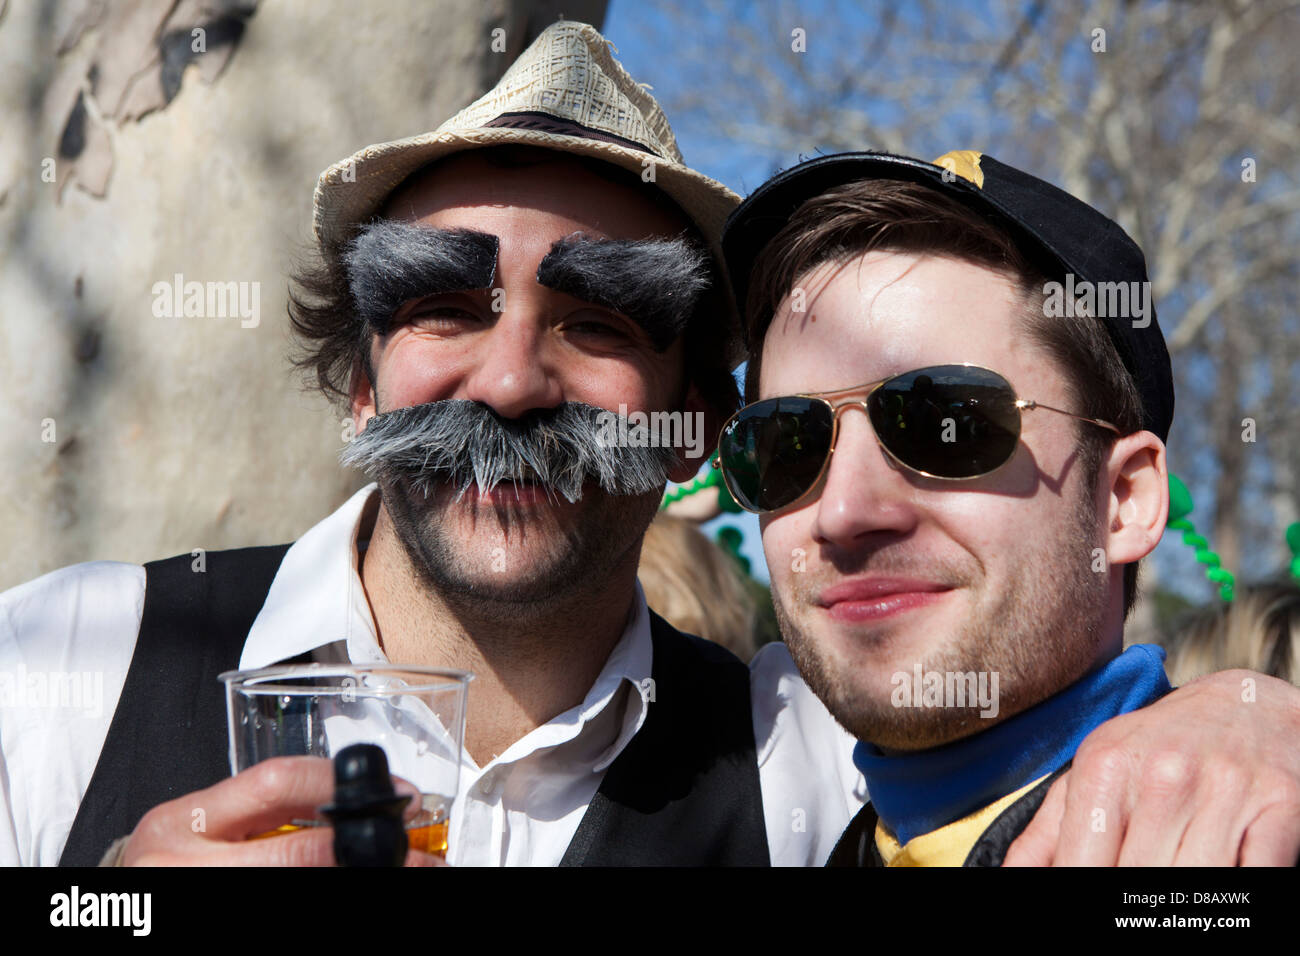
(964,163)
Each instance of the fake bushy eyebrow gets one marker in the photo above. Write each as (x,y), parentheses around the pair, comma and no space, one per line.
(654,282)
(391,262)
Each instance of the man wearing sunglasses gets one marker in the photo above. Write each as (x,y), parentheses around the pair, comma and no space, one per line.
(956,479)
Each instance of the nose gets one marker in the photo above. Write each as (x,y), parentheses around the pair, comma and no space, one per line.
(513,374)
(862,492)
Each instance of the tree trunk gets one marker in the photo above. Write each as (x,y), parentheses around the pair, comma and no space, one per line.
(130,157)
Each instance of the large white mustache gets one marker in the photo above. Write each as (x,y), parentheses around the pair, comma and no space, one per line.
(465,443)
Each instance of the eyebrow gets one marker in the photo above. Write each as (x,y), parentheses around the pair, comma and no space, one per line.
(654,282)
(391,262)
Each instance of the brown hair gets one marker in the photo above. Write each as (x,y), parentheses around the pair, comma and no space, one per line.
(332,343)
(697,587)
(859,217)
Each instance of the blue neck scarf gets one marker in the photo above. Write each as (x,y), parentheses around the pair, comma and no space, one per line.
(915,793)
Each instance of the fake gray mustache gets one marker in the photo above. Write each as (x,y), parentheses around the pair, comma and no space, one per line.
(465,443)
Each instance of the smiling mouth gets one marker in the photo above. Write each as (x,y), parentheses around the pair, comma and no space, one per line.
(876,599)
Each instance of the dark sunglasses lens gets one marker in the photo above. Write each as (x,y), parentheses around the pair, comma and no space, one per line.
(951,421)
(772,452)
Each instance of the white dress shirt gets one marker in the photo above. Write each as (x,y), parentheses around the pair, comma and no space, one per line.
(66,641)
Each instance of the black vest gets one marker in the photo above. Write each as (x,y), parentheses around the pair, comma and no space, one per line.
(857,845)
(684,792)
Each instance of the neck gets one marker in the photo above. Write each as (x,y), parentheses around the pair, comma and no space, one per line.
(920,791)
(527,669)
(1005,707)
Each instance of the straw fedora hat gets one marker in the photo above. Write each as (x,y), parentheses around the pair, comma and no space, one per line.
(565,92)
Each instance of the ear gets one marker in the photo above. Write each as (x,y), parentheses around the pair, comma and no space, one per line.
(361,393)
(699,436)
(1138,496)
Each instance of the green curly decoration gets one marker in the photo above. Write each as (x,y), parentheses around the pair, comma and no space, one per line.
(1180,499)
(1293,542)
(1180,506)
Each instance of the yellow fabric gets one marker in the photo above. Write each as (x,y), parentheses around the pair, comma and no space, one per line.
(946,846)
(964,163)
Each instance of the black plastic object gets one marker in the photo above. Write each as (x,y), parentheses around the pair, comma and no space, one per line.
(366,812)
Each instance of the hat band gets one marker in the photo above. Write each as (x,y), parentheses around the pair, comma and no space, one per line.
(555,125)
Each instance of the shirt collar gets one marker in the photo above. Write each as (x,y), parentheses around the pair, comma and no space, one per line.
(630,661)
(316,597)
(317,603)
(919,792)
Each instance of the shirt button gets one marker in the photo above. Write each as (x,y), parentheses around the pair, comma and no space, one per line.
(487,785)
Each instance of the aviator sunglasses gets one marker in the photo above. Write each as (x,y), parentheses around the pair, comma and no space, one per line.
(951,422)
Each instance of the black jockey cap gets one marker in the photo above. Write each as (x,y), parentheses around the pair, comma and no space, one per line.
(1068,239)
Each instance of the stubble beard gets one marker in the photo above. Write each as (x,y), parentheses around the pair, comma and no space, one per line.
(1043,634)
(577,560)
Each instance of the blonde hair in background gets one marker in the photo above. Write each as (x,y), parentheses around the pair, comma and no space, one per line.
(1258,630)
(697,587)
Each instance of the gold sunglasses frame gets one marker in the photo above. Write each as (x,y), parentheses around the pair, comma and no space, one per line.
(827,399)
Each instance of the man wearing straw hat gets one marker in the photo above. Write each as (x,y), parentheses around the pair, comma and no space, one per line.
(488,294)
(482,316)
